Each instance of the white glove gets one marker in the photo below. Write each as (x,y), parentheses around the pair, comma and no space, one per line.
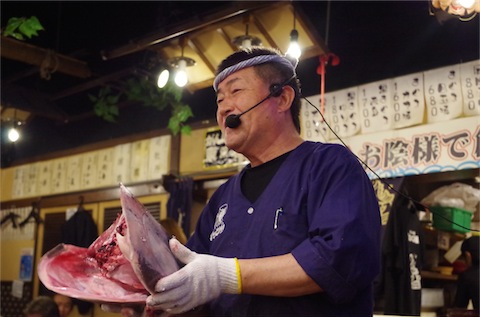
(202,279)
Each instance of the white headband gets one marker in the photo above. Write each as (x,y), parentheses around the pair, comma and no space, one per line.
(292,64)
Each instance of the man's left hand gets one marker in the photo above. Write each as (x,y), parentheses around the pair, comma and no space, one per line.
(202,279)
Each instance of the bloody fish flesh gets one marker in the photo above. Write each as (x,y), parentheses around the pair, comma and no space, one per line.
(121,266)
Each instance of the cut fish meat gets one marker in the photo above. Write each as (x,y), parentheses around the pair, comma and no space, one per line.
(121,266)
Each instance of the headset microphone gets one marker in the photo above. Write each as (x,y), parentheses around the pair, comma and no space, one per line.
(233,121)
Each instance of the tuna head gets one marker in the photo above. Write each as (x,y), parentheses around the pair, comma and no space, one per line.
(121,266)
(144,242)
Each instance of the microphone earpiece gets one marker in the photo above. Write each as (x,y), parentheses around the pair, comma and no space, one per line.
(276,90)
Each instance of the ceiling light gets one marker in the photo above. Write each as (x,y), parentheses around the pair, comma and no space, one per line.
(247,40)
(467,4)
(13,135)
(180,64)
(181,77)
(163,78)
(294,49)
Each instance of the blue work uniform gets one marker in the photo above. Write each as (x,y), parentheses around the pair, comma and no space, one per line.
(321,207)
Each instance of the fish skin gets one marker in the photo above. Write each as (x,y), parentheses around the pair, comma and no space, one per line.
(120,266)
(68,270)
(148,252)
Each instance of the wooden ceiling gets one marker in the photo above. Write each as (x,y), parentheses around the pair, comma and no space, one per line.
(214,38)
(206,40)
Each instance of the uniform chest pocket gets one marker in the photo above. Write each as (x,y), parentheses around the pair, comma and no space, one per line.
(288,228)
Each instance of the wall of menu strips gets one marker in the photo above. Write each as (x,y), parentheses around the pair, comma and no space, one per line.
(133,162)
(436,95)
(415,124)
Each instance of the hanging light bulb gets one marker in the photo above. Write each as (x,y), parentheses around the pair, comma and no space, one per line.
(467,4)
(163,78)
(180,63)
(181,77)
(294,49)
(13,134)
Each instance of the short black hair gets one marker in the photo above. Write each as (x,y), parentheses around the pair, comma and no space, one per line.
(272,72)
(42,305)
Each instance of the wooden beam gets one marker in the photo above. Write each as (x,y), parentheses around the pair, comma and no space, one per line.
(236,9)
(34,55)
(98,82)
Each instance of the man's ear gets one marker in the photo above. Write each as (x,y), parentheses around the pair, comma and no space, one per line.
(286,98)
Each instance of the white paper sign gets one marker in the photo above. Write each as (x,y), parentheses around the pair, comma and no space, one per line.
(159,157)
(375,106)
(443,93)
(59,175)
(105,168)
(17,289)
(89,169)
(470,78)
(31,180)
(139,160)
(18,181)
(341,108)
(74,172)
(408,100)
(313,124)
(121,163)
(44,183)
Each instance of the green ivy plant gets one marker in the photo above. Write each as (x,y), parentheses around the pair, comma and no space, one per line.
(143,91)
(20,28)
(105,104)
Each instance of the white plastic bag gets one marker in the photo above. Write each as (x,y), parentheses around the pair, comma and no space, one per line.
(456,195)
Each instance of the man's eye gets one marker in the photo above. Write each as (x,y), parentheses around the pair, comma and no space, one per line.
(236,90)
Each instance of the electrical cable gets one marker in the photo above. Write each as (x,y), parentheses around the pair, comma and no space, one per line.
(416,203)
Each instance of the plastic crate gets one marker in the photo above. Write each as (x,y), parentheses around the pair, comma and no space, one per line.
(451,219)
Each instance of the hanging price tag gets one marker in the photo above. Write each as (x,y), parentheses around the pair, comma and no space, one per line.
(443,93)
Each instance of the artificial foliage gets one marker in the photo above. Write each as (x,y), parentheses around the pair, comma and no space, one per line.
(142,90)
(19,28)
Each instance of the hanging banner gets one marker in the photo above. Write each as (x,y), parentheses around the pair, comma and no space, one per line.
(443,93)
(375,102)
(408,100)
(121,165)
(313,125)
(159,157)
(430,148)
(74,172)
(216,153)
(470,75)
(342,111)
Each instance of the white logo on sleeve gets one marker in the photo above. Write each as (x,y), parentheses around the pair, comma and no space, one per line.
(219,224)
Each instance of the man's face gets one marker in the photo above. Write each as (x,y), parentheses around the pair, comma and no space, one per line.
(64,304)
(236,94)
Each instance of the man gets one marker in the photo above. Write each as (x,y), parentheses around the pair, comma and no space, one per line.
(42,306)
(64,303)
(296,232)
(302,219)
(468,284)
